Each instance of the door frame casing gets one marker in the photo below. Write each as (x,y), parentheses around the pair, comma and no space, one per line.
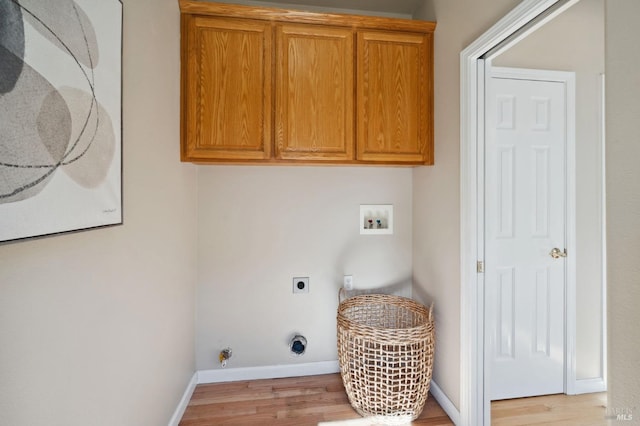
(568,80)
(474,404)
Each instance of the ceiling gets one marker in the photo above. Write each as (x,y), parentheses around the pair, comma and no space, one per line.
(399,8)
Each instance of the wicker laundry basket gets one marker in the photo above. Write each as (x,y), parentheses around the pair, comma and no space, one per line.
(385,351)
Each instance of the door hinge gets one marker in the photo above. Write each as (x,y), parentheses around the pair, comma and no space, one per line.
(480,266)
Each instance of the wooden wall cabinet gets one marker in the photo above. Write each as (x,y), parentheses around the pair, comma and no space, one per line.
(314,93)
(395,121)
(265,85)
(226,91)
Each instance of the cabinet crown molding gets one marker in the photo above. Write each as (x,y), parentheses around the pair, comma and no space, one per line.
(298,16)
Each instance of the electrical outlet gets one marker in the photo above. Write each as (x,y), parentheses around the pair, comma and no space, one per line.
(347,282)
(301,284)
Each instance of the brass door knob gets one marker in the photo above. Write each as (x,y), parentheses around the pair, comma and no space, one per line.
(556,253)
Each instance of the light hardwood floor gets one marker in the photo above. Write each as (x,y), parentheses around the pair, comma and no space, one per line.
(302,401)
(297,401)
(579,410)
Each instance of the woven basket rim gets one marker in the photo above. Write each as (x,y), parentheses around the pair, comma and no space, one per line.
(366,299)
(399,333)
(388,298)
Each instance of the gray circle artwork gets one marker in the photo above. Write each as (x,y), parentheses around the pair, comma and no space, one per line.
(46,129)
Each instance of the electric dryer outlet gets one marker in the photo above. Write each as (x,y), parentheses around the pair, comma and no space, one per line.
(301,284)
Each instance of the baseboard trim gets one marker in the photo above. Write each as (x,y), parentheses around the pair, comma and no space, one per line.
(267,372)
(590,386)
(186,397)
(445,403)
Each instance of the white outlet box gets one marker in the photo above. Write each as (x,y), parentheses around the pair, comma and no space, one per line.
(347,282)
(376,219)
(301,284)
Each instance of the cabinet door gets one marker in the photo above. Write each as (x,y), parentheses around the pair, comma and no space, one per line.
(227,82)
(395,97)
(314,93)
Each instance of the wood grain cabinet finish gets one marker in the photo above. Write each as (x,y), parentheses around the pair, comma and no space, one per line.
(265,85)
(227,92)
(394,97)
(314,93)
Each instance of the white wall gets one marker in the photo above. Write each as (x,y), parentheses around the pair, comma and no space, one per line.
(574,41)
(436,189)
(96,328)
(260,226)
(623,205)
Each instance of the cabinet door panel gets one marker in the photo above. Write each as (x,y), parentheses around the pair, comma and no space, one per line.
(228,76)
(395,97)
(314,93)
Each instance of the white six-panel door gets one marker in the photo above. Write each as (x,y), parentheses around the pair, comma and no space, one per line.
(525,184)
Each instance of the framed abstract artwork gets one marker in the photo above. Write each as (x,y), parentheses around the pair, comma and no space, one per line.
(60,116)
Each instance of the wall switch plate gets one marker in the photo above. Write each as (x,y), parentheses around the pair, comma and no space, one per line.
(347,282)
(301,284)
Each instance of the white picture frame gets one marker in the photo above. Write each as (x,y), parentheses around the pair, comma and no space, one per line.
(61,115)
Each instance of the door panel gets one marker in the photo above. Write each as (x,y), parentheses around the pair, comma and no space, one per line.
(524,219)
(314,98)
(394,95)
(228,75)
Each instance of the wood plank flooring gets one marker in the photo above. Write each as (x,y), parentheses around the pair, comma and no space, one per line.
(298,401)
(579,410)
(313,400)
